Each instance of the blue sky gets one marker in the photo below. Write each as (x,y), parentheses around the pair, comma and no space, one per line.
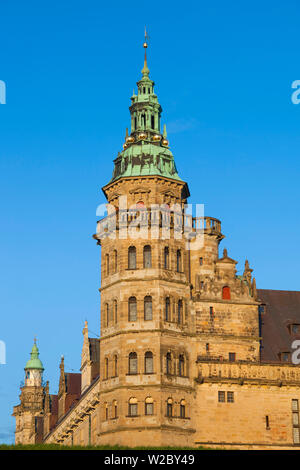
(223,73)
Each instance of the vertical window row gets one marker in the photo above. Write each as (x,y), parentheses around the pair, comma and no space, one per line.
(170,409)
(110,313)
(179,314)
(132,309)
(132,257)
(110,368)
(133,363)
(295,421)
(107,266)
(175,366)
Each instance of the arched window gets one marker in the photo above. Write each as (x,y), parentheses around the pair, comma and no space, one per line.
(132,365)
(115,261)
(115,365)
(226,293)
(169,407)
(135,123)
(116,311)
(178,261)
(106,368)
(132,309)
(148,308)
(132,407)
(152,120)
(168,363)
(132,257)
(180,311)
(182,409)
(107,265)
(147,257)
(167,309)
(148,362)
(166,258)
(149,406)
(181,365)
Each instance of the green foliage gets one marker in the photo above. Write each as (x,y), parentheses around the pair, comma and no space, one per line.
(59,447)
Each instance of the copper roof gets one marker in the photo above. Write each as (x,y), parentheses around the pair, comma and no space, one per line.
(281,310)
(94,345)
(73,383)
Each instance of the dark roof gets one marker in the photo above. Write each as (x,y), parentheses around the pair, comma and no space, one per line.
(94,345)
(54,404)
(73,383)
(282,309)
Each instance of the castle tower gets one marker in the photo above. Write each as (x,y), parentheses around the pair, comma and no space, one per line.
(30,411)
(145,288)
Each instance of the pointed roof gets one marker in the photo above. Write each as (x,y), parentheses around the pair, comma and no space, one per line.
(34,361)
(146,150)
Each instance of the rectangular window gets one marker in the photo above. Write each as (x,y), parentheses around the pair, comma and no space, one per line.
(285,356)
(133,409)
(295,405)
(182,411)
(149,409)
(230,397)
(296,436)
(232,357)
(132,309)
(221,397)
(295,421)
(169,410)
(148,308)
(149,364)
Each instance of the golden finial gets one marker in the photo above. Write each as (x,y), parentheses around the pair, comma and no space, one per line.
(146,40)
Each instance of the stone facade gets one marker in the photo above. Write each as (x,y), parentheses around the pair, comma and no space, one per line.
(178,362)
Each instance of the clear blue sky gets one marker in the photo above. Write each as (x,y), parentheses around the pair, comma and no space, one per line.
(223,73)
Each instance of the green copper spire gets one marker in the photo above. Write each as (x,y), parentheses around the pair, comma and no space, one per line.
(146,150)
(34,361)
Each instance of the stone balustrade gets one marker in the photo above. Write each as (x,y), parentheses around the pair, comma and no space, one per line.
(209,370)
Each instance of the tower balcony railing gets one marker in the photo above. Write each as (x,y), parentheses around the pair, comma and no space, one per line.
(156,218)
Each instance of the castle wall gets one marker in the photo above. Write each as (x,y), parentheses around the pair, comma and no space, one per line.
(260,416)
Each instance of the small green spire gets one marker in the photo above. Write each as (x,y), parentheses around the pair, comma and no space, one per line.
(34,361)
(145,69)
(165,132)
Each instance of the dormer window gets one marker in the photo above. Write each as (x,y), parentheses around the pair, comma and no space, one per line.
(285,356)
(295,329)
